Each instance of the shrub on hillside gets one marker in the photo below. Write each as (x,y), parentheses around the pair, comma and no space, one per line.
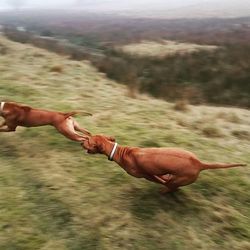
(57,68)
(241,134)
(212,131)
(181,105)
(3,49)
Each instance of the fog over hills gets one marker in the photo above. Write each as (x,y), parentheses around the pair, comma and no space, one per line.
(145,8)
(177,9)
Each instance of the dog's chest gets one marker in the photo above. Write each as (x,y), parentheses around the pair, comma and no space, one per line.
(134,171)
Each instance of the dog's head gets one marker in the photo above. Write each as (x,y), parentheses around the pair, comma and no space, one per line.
(94,144)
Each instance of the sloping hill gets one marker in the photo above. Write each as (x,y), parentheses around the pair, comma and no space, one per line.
(54,196)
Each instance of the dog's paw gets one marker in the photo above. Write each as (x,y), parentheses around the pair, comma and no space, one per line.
(164,190)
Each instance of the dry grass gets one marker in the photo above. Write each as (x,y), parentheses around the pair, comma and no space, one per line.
(164,48)
(229,116)
(54,196)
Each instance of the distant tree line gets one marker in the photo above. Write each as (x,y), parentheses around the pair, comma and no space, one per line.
(216,77)
(47,41)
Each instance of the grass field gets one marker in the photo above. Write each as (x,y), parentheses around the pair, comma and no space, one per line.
(54,196)
(163,48)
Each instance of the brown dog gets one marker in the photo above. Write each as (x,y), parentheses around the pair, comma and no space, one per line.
(21,115)
(171,167)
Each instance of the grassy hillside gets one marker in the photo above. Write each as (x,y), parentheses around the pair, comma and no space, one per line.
(54,196)
(163,48)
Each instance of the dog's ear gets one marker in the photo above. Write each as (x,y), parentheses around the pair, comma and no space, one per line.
(85,137)
(85,144)
(111,138)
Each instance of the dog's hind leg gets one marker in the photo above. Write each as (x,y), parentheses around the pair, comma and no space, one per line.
(177,181)
(79,129)
(67,129)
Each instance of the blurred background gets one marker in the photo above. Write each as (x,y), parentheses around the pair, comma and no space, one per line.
(154,74)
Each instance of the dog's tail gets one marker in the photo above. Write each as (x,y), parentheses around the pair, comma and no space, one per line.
(73,113)
(205,166)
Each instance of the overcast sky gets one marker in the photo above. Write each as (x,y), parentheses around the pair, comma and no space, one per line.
(101,4)
(149,8)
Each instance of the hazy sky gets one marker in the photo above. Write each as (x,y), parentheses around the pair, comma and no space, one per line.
(149,8)
(102,3)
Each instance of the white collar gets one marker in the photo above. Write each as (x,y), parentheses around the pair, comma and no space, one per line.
(113,152)
(1,107)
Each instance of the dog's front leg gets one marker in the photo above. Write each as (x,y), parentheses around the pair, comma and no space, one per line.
(7,129)
(162,179)
(3,124)
(159,179)
(154,178)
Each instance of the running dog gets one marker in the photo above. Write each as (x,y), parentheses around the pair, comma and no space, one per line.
(21,115)
(172,167)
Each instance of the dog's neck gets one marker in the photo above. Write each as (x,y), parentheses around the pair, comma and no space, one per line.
(106,147)
(113,152)
(1,107)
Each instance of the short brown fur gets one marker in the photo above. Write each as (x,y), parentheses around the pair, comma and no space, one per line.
(21,115)
(172,167)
